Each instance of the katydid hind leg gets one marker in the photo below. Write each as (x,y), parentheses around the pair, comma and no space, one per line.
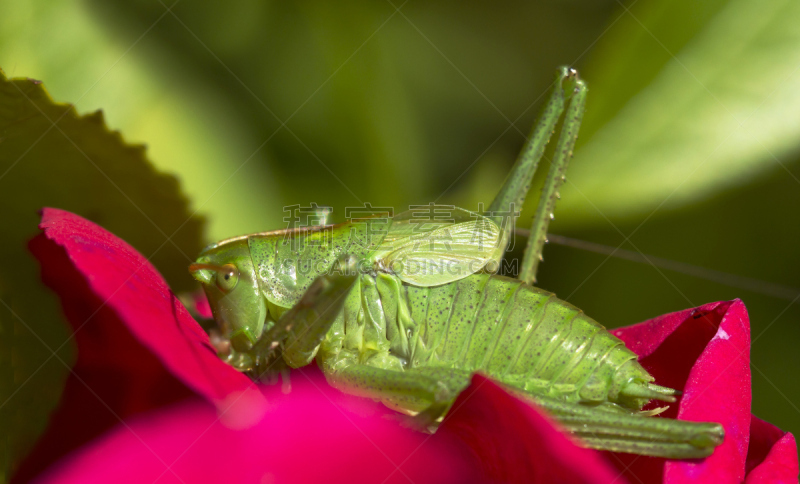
(635,433)
(555,178)
(516,186)
(512,195)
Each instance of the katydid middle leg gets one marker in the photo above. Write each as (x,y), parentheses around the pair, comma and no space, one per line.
(431,390)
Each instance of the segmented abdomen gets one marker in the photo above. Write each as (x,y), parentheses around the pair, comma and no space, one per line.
(519,335)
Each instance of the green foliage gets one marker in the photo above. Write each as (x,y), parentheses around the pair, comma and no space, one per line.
(51,156)
(686,99)
(188,126)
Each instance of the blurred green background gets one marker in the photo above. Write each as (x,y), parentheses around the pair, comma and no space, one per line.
(688,152)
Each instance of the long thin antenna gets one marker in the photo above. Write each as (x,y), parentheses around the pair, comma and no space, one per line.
(732,280)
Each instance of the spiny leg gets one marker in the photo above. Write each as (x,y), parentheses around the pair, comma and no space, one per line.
(634,433)
(512,195)
(598,427)
(555,177)
(614,428)
(605,429)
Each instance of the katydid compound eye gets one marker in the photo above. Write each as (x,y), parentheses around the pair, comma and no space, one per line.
(227,277)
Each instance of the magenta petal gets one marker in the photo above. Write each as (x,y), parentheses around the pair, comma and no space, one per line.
(772,456)
(513,442)
(705,352)
(134,289)
(313,435)
(200,302)
(138,351)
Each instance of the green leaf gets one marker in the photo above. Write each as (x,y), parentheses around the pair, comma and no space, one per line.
(51,156)
(189,126)
(679,113)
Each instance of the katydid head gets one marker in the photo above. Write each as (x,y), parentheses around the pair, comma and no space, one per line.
(229,280)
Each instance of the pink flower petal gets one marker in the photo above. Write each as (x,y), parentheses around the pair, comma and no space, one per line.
(514,442)
(313,435)
(141,350)
(201,305)
(134,289)
(705,352)
(772,456)
(138,351)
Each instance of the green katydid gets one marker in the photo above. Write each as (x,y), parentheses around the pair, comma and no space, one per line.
(406,312)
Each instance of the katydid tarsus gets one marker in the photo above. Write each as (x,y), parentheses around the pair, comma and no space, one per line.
(406,312)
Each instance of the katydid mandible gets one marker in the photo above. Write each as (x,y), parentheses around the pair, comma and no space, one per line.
(408,316)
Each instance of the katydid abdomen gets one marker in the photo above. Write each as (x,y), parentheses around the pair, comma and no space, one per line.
(517,334)
(522,336)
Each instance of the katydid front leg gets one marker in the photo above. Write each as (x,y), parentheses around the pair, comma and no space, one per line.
(300,330)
